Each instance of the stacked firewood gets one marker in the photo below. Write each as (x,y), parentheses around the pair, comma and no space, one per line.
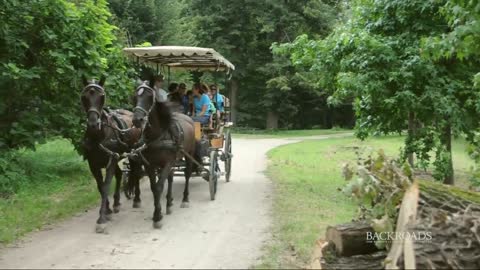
(438,228)
(454,225)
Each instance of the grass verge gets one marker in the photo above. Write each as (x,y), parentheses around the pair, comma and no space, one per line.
(265,134)
(59,185)
(307,176)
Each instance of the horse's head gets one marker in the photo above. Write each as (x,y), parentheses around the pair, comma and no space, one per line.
(93,100)
(144,101)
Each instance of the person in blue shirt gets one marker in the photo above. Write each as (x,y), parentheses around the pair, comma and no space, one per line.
(201,105)
(217,99)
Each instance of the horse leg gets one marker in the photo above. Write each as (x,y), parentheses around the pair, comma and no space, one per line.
(157,189)
(169,193)
(104,188)
(134,179)
(188,173)
(116,196)
(97,174)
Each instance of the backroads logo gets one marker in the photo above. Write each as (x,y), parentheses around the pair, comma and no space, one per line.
(396,236)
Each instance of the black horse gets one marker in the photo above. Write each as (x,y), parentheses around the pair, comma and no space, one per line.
(104,143)
(161,151)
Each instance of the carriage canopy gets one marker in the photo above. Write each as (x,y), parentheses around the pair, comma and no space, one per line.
(181,57)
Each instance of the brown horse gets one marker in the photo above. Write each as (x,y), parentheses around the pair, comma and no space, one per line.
(160,151)
(104,142)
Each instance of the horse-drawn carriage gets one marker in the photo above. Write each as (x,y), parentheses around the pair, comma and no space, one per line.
(146,135)
(216,142)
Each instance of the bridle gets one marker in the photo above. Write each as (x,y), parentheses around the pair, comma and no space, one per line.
(140,90)
(99,90)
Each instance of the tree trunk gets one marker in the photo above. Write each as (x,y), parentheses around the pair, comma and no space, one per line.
(447,141)
(272,120)
(233,100)
(351,238)
(329,117)
(411,133)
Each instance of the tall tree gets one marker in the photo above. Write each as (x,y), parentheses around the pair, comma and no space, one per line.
(159,22)
(375,58)
(244,30)
(44,46)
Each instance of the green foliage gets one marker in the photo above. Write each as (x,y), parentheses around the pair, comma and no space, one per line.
(460,43)
(243,31)
(44,48)
(12,175)
(51,162)
(374,60)
(378,185)
(160,22)
(51,183)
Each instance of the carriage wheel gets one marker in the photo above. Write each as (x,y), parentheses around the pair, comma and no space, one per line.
(213,177)
(228,156)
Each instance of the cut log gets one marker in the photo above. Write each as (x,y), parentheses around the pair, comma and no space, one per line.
(351,238)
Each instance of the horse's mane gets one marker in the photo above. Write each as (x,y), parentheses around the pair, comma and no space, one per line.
(164,114)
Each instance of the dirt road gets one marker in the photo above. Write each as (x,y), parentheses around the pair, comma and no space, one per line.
(225,233)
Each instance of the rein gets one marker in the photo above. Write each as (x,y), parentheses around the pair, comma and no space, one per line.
(138,151)
(104,121)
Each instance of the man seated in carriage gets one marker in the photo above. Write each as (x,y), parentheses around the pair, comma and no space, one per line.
(220,101)
(217,98)
(160,94)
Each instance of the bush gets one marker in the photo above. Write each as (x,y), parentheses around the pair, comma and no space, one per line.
(55,161)
(12,175)
(45,45)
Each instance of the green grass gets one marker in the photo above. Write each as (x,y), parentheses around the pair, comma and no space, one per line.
(59,185)
(307,176)
(265,134)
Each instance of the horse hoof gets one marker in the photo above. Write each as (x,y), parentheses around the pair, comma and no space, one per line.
(137,204)
(157,224)
(116,209)
(184,205)
(101,228)
(109,217)
(169,210)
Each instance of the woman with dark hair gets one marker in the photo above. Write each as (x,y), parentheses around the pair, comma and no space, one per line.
(174,95)
(172,88)
(188,103)
(205,88)
(201,104)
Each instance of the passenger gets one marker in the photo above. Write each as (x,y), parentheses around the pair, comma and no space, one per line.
(188,103)
(218,101)
(212,109)
(173,88)
(182,89)
(201,104)
(161,95)
(205,88)
(174,94)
